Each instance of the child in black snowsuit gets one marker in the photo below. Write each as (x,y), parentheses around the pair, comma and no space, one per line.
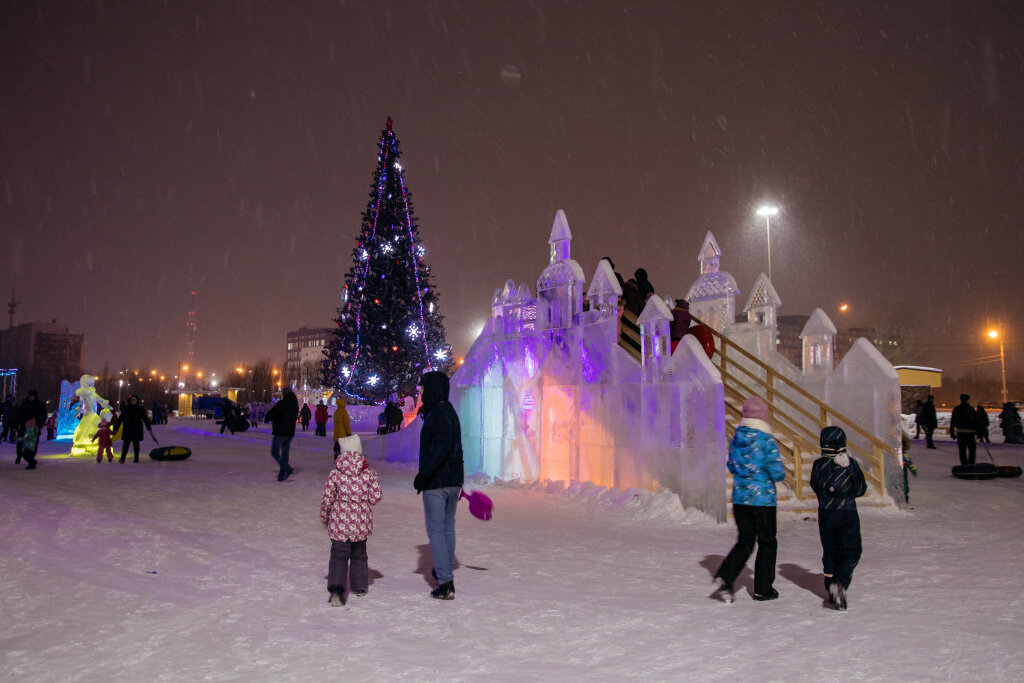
(837,480)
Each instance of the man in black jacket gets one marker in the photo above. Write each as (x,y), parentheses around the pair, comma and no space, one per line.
(961,428)
(133,417)
(440,477)
(282,419)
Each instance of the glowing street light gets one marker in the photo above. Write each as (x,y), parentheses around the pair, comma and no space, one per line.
(843,307)
(994,334)
(768,212)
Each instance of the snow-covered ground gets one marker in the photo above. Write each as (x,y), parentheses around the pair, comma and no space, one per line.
(211,569)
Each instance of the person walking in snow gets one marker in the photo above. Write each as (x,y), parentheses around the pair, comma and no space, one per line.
(755,465)
(321,419)
(342,424)
(282,419)
(1009,422)
(105,436)
(440,477)
(929,421)
(961,428)
(838,481)
(346,507)
(981,424)
(133,417)
(304,415)
(30,409)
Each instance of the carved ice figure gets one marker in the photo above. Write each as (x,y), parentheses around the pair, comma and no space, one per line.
(88,400)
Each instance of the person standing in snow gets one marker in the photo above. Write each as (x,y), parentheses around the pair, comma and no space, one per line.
(981,424)
(351,490)
(105,436)
(321,419)
(30,409)
(133,417)
(304,415)
(838,481)
(342,424)
(928,420)
(440,477)
(755,466)
(282,419)
(961,428)
(1009,422)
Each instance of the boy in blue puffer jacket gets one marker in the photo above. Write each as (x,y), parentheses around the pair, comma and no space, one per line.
(838,481)
(755,466)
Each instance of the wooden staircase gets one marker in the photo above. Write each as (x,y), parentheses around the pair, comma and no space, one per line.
(797,418)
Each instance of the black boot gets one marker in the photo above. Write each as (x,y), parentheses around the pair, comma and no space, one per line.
(446,591)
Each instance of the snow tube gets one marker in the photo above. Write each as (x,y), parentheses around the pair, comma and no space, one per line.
(1009,471)
(170,453)
(979,471)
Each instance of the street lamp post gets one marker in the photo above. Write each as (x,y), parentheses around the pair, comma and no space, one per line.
(768,212)
(994,334)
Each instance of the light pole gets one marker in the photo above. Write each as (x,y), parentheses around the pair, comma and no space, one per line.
(994,334)
(768,212)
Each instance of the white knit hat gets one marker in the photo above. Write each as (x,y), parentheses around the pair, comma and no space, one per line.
(350,444)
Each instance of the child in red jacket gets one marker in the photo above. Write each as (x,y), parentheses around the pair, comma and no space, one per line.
(105,436)
(352,488)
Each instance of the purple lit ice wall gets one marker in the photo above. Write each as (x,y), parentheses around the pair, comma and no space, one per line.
(569,404)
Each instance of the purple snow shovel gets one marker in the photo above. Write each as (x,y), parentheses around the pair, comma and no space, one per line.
(480,506)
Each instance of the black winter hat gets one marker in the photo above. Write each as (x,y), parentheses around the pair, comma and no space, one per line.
(964,398)
(833,437)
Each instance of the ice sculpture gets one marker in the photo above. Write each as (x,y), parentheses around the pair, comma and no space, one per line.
(67,418)
(546,393)
(88,401)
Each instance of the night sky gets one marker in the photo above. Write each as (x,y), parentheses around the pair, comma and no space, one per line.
(147,148)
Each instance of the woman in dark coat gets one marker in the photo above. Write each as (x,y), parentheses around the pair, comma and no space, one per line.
(132,418)
(304,416)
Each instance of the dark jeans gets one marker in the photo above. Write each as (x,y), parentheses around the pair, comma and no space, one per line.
(928,436)
(344,553)
(840,543)
(753,523)
(124,448)
(968,447)
(280,446)
(321,429)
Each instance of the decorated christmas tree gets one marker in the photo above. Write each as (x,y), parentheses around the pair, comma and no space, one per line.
(389,328)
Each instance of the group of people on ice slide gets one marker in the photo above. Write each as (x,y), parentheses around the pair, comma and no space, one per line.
(756,466)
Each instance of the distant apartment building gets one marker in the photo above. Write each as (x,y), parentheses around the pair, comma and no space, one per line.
(43,354)
(305,349)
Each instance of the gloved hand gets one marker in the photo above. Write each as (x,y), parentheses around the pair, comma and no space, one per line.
(419,483)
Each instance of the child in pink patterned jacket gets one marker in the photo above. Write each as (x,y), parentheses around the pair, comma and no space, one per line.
(352,488)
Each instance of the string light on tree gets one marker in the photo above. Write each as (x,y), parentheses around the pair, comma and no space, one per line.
(389,327)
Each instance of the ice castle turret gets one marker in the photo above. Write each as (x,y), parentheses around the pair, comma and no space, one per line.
(713,296)
(762,303)
(818,340)
(560,286)
(605,290)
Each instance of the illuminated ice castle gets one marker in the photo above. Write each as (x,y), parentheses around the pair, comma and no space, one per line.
(548,393)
